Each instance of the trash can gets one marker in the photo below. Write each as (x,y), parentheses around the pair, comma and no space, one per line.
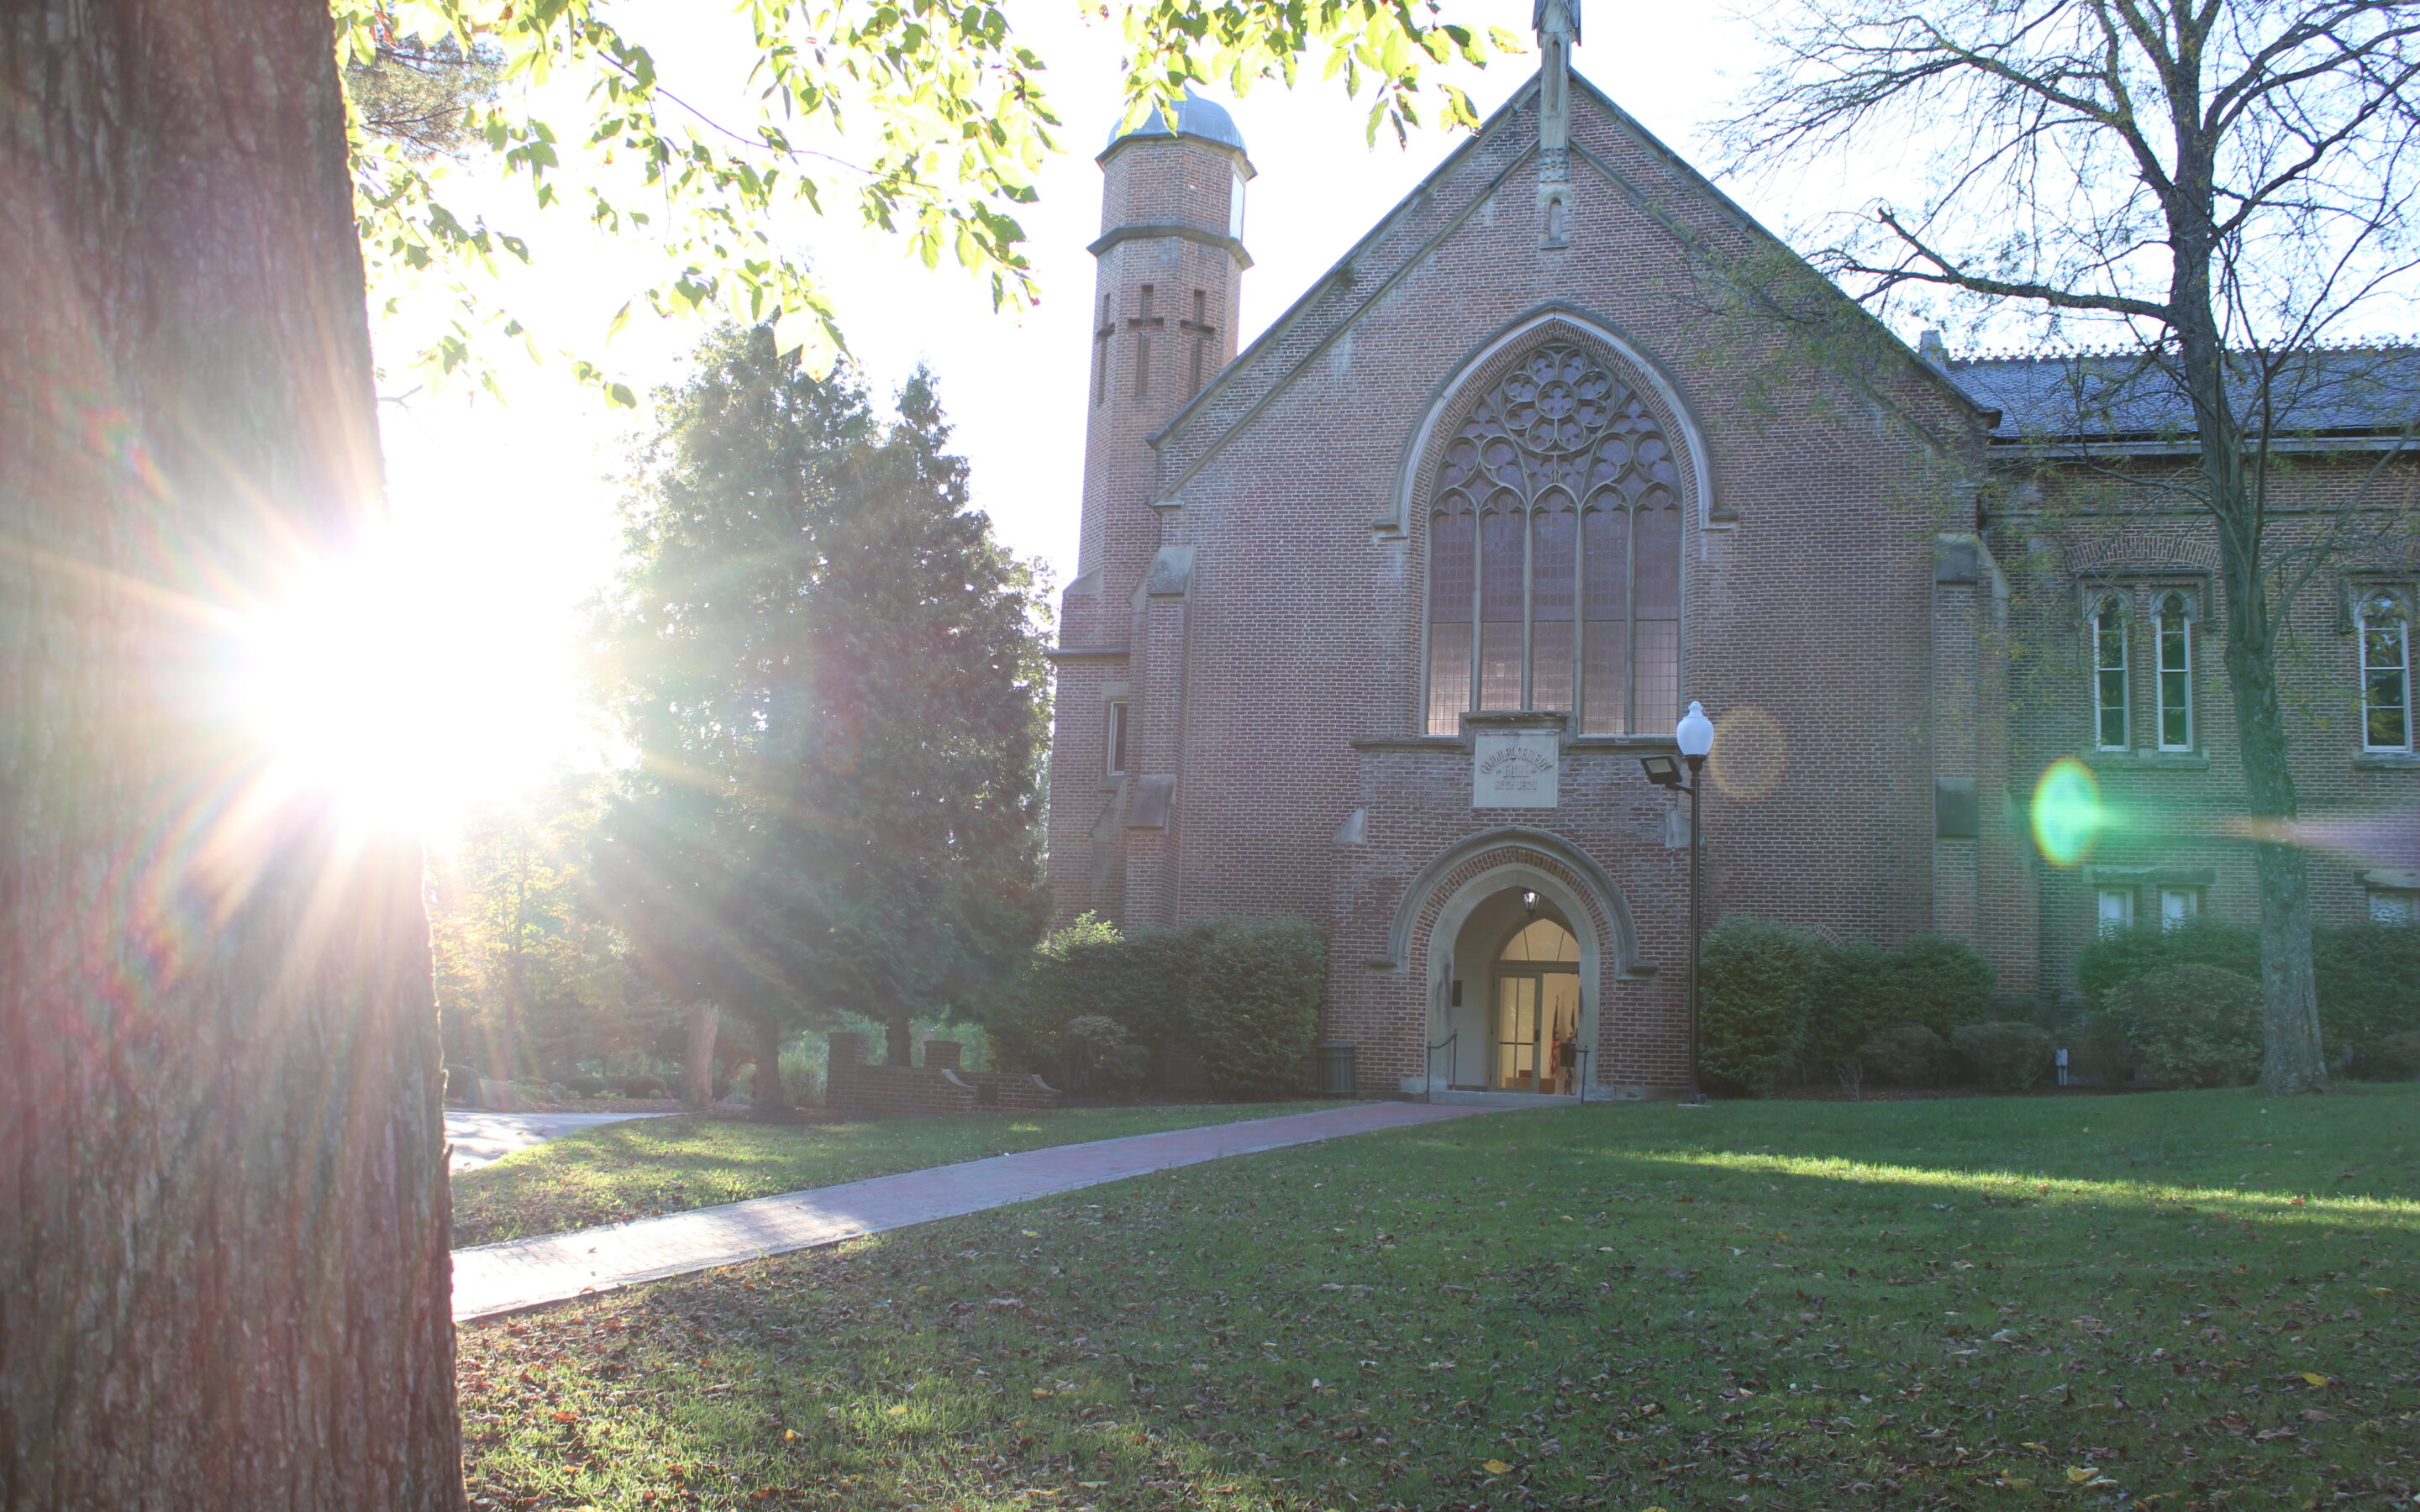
(1335,1069)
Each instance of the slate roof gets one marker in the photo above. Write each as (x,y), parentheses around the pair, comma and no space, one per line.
(2118,396)
(1195,116)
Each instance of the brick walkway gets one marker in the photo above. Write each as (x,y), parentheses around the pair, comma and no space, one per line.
(528,1273)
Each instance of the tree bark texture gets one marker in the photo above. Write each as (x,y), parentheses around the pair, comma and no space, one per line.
(697,1070)
(224,1267)
(898,1041)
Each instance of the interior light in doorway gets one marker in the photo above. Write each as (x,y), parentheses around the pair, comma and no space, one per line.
(1528,903)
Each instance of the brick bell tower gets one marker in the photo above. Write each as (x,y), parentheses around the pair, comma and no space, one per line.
(1171,260)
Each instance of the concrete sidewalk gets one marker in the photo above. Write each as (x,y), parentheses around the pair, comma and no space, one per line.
(527,1272)
(475,1139)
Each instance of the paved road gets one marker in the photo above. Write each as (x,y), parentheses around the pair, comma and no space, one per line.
(527,1272)
(480,1138)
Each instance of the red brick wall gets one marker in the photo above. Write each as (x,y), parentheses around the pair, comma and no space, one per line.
(1278,682)
(2071,533)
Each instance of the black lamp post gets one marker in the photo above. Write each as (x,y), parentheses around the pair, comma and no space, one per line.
(1694,735)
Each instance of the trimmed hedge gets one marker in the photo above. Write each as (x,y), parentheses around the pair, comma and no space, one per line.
(1775,997)
(1909,1054)
(1860,990)
(2370,995)
(2005,1054)
(1753,988)
(2367,976)
(2122,955)
(2193,1025)
(1254,1002)
(1096,1003)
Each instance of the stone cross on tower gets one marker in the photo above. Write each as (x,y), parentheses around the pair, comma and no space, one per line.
(1558,24)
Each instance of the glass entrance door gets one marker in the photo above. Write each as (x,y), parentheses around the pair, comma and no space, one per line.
(1516,1033)
(1537,1029)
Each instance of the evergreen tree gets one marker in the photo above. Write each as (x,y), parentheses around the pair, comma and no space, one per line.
(833,679)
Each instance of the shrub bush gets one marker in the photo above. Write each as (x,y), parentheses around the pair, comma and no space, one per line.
(802,1069)
(2099,1052)
(1940,983)
(1091,969)
(2195,1025)
(2119,957)
(2370,990)
(1859,990)
(1907,1054)
(1253,1001)
(2397,1057)
(648,1085)
(1845,1004)
(2005,1054)
(1755,978)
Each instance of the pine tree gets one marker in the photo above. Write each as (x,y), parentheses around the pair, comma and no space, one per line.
(833,679)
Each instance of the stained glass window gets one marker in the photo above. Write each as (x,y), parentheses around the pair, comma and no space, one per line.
(1561,481)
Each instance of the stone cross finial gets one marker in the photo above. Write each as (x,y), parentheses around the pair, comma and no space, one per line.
(1558,24)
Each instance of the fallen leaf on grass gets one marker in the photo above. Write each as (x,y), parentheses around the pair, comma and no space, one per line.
(1496,1467)
(2316,1379)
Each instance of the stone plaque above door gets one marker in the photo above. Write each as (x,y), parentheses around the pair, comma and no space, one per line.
(1515,760)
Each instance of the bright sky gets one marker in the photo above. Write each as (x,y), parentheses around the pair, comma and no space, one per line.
(505,514)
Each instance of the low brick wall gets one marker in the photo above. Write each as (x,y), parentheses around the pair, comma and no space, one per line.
(854,1089)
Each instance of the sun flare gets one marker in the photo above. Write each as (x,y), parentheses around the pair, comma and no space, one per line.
(406,687)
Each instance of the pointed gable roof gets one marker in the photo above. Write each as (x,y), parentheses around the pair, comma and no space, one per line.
(1403,238)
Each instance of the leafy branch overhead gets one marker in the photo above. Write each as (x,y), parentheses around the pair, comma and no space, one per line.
(926,119)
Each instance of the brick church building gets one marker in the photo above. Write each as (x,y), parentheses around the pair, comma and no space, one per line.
(1375,618)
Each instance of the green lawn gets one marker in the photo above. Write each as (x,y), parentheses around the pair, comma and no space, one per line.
(2188,1300)
(651,1165)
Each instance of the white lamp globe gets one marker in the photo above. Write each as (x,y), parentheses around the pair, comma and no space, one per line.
(1696,733)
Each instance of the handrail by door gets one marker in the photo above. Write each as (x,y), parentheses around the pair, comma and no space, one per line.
(1428,1090)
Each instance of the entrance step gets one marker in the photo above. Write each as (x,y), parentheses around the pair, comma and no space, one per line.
(1461,1097)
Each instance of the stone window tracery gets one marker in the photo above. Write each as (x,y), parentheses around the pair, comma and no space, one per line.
(1555,554)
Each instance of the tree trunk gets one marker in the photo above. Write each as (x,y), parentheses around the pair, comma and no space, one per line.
(224,1269)
(769,1099)
(697,1070)
(2291,1059)
(899,1041)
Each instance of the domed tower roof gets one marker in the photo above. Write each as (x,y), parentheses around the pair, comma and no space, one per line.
(1195,116)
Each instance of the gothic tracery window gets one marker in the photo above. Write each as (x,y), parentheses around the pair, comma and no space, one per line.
(1555,554)
(2109,700)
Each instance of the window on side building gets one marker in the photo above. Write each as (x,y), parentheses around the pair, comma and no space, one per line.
(2109,674)
(2175,673)
(2115,909)
(2178,905)
(2386,674)
(2389,905)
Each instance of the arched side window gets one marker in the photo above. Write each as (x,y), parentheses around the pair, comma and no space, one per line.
(1555,554)
(2386,674)
(2175,672)
(2109,732)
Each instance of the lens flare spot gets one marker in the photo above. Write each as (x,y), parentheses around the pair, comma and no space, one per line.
(2067,814)
(1749,753)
